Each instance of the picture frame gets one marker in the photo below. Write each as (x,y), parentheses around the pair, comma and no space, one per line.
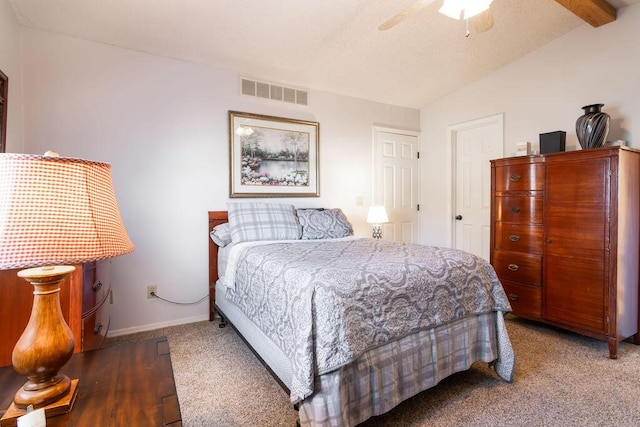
(273,156)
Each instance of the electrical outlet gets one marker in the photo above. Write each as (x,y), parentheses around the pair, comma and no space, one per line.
(152,290)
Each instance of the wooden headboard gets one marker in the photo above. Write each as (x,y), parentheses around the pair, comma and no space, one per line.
(215,218)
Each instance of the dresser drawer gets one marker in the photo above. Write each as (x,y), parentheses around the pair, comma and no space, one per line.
(525,300)
(95,327)
(518,267)
(519,209)
(519,238)
(95,284)
(519,177)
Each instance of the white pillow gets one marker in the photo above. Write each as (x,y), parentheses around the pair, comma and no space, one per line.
(221,234)
(253,221)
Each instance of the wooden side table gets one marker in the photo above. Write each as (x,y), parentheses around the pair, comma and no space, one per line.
(129,384)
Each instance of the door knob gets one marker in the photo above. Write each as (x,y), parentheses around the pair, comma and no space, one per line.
(459,217)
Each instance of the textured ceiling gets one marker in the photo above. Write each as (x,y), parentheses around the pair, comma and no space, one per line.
(331,45)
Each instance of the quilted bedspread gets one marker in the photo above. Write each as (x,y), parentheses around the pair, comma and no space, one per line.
(324,303)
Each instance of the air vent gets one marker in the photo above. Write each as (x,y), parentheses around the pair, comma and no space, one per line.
(248,87)
(301,97)
(275,92)
(289,95)
(262,90)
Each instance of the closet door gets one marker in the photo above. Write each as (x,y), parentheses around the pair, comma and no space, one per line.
(577,218)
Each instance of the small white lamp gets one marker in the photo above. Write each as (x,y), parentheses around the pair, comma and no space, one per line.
(377,216)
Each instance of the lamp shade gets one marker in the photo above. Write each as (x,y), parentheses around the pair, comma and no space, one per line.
(377,215)
(56,210)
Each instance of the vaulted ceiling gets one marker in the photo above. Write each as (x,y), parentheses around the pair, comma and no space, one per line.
(331,45)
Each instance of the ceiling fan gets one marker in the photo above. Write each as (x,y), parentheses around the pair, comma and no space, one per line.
(475,11)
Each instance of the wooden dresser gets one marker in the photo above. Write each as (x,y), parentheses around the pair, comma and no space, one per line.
(83,299)
(565,239)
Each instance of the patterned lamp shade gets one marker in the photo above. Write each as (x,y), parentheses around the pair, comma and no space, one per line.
(56,210)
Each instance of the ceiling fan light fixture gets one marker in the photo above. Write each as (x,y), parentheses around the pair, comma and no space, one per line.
(475,7)
(452,8)
(455,8)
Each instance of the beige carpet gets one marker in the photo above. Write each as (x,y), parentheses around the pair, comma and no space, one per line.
(561,379)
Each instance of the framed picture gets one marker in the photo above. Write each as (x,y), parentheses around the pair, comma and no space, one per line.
(272,156)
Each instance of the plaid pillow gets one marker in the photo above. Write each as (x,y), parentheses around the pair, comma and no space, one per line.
(263,221)
(221,235)
(324,224)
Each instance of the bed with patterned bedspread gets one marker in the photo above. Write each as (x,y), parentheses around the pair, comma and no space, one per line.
(365,323)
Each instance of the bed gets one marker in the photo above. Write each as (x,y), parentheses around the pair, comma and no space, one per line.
(350,327)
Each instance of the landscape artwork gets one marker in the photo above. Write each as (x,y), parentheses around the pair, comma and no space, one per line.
(272,156)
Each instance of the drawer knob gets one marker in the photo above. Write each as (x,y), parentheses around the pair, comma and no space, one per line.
(514,209)
(515,178)
(514,238)
(96,286)
(97,329)
(513,267)
(513,297)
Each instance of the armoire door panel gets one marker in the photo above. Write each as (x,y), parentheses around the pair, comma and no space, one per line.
(582,237)
(577,218)
(574,292)
(577,182)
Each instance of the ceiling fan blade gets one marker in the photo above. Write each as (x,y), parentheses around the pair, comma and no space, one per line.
(402,15)
(483,21)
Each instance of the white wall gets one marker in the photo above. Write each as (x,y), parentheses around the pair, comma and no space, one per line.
(541,92)
(11,67)
(162,124)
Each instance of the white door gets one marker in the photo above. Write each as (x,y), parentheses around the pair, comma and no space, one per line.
(396,182)
(474,144)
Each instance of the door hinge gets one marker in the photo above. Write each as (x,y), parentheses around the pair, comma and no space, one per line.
(418,206)
(418,154)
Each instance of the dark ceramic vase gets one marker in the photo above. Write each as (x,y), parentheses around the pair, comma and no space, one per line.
(592,127)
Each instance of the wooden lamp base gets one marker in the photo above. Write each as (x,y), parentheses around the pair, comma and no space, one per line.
(45,346)
(62,406)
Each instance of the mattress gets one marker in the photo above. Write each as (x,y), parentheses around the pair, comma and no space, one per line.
(268,351)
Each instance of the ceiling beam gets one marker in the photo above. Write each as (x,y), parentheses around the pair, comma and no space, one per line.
(594,12)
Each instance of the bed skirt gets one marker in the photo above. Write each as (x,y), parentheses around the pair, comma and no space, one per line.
(388,375)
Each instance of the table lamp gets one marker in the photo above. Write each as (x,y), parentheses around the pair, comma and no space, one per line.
(53,211)
(377,216)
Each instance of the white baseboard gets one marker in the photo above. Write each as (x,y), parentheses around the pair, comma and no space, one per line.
(153,326)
